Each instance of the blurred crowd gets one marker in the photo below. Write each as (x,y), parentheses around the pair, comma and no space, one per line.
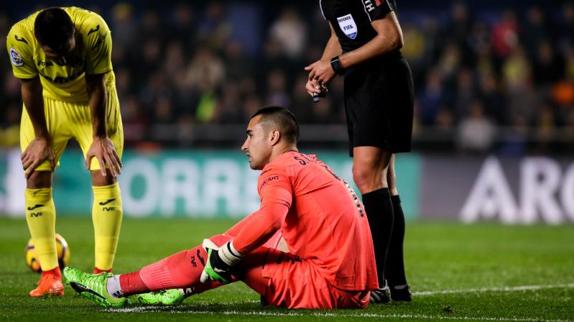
(488,79)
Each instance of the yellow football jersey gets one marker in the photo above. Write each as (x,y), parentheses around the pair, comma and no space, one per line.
(63,82)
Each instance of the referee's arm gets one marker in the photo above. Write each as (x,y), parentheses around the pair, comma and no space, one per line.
(320,72)
(389,37)
(333,47)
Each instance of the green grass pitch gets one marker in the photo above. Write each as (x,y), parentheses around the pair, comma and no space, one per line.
(483,272)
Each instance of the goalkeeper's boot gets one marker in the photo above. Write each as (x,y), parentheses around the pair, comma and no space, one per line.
(401,293)
(165,297)
(93,287)
(380,295)
(50,284)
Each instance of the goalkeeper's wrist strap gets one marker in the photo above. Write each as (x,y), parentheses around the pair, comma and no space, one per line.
(229,255)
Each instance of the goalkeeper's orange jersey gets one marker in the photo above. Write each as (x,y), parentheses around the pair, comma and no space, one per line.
(63,82)
(325,221)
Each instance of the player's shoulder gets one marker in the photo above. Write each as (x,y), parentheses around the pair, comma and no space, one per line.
(273,169)
(292,164)
(88,23)
(292,159)
(20,42)
(22,32)
(282,165)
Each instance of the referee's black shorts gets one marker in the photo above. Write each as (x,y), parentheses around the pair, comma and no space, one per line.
(379,102)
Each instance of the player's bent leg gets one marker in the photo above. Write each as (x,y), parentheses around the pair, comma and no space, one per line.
(165,297)
(41,220)
(284,280)
(93,287)
(107,215)
(169,280)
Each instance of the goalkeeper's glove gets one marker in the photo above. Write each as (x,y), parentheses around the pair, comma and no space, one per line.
(220,261)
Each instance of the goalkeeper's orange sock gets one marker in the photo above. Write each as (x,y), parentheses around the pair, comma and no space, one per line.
(107,219)
(180,270)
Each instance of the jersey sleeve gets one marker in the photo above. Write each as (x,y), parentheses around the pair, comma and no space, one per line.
(276,199)
(274,186)
(321,9)
(99,46)
(21,54)
(378,9)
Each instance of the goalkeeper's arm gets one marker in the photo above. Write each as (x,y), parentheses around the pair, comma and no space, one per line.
(261,225)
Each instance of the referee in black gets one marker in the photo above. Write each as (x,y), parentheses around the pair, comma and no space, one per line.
(364,47)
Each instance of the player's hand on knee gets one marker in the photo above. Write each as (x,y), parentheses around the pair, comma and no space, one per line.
(220,262)
(104,151)
(39,150)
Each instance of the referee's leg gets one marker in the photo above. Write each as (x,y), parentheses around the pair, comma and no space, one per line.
(370,168)
(395,267)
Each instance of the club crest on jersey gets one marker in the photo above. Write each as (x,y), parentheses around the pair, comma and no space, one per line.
(348,26)
(15,58)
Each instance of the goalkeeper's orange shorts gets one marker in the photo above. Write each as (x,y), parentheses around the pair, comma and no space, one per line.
(284,280)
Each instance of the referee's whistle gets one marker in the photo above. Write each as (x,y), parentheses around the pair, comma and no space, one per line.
(322,93)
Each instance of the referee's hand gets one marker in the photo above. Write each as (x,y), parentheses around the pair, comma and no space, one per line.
(321,71)
(313,87)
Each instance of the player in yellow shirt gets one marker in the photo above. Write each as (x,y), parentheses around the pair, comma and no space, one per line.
(62,57)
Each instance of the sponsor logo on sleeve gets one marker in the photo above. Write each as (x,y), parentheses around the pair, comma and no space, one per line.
(94,29)
(348,26)
(268,180)
(369,4)
(20,39)
(16,58)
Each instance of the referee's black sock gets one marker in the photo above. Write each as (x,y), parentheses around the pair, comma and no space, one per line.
(380,215)
(395,269)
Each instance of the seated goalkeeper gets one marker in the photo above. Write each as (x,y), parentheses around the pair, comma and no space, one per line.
(308,246)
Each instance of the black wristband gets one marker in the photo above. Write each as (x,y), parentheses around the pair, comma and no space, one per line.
(336,65)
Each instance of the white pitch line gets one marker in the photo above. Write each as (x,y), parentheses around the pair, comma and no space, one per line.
(329,315)
(156,309)
(495,289)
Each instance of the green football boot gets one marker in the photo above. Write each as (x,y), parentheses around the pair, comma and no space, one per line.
(93,287)
(165,297)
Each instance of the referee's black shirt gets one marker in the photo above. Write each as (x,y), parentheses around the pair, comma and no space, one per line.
(351,19)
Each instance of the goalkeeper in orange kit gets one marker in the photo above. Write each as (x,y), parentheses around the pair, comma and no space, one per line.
(327,259)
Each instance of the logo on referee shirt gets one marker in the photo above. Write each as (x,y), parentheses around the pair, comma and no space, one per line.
(15,58)
(368,4)
(348,26)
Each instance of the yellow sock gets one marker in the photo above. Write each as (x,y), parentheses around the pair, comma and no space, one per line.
(41,219)
(107,218)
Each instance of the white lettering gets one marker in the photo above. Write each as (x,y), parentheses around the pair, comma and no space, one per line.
(251,196)
(540,179)
(490,196)
(369,5)
(146,203)
(180,180)
(567,193)
(14,185)
(222,184)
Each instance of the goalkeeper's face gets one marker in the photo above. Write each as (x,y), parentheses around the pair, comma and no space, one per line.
(258,145)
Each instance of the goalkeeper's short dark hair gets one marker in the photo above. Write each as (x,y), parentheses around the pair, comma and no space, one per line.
(283,118)
(53,27)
